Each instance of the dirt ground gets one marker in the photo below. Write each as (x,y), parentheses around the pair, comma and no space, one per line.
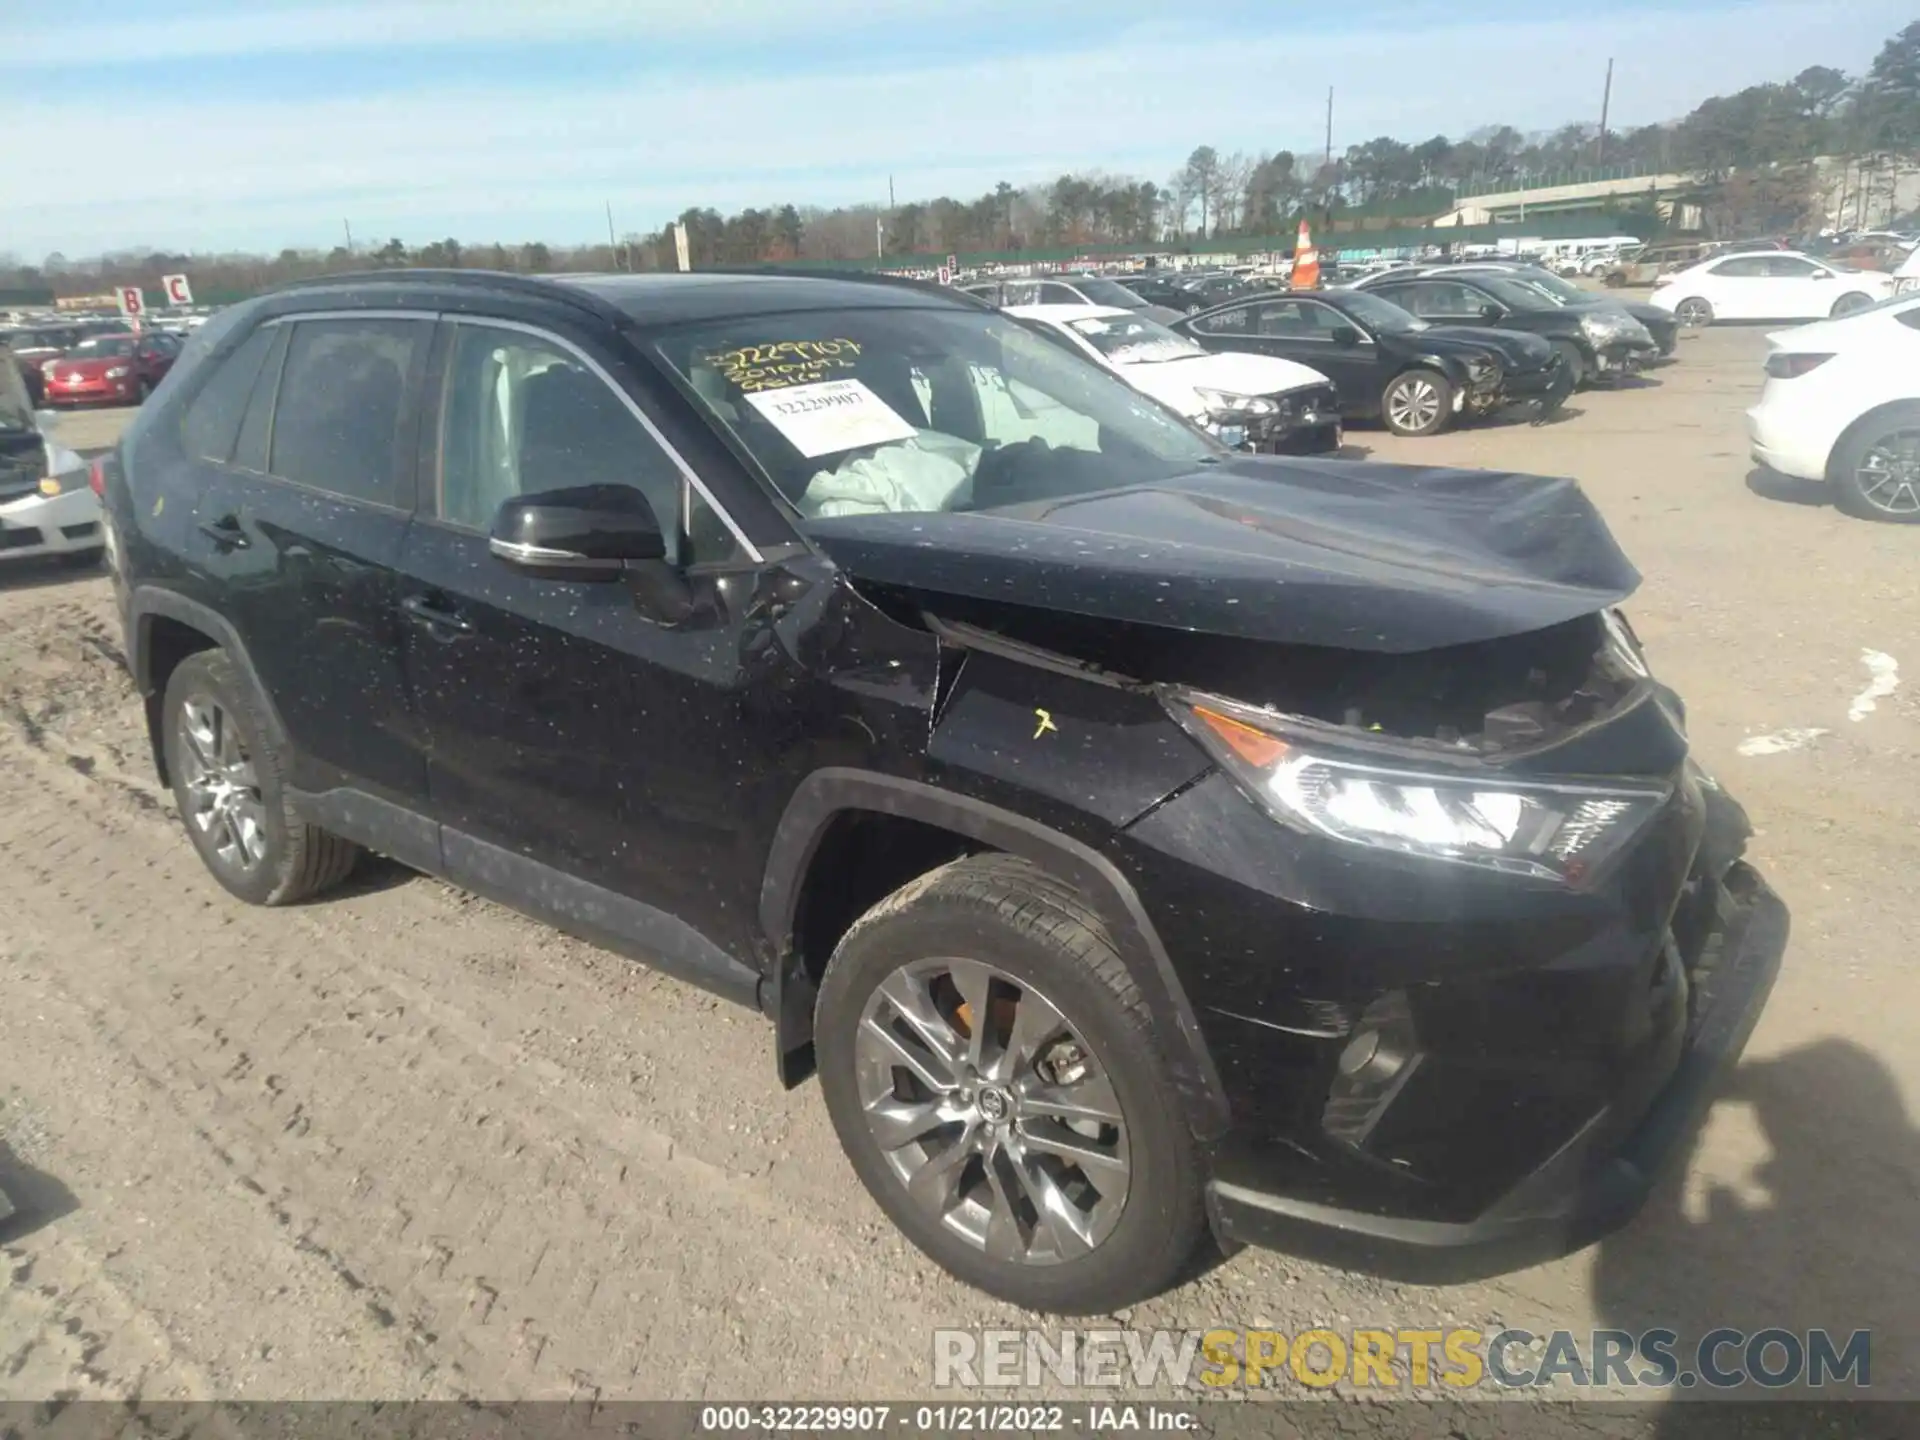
(403,1143)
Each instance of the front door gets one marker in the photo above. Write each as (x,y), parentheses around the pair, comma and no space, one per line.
(300,529)
(610,733)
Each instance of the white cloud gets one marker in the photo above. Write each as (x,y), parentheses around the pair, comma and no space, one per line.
(201,172)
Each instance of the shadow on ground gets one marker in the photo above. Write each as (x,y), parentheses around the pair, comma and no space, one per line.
(29,1198)
(1789,490)
(1813,1243)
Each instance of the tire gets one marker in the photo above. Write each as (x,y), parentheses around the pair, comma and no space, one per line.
(1876,490)
(1023,939)
(262,852)
(1575,361)
(1694,311)
(1850,303)
(1423,399)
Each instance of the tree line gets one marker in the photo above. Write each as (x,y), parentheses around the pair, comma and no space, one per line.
(1756,145)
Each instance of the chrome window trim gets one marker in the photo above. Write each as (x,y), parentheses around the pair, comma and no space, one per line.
(688,476)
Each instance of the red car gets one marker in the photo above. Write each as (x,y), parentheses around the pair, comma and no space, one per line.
(109,369)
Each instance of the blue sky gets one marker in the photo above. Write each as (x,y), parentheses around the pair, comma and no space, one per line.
(212,125)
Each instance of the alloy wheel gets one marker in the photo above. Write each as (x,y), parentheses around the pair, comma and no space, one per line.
(1694,312)
(1889,474)
(994,1114)
(1413,404)
(222,790)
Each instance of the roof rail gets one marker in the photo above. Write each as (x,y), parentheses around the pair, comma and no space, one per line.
(863,277)
(541,285)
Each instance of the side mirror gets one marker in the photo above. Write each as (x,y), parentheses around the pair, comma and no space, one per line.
(1345,335)
(1822,275)
(590,533)
(45,421)
(1491,311)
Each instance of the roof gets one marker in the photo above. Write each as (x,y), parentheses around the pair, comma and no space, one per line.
(665,299)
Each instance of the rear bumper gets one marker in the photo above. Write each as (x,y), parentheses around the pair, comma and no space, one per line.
(61,525)
(1788,450)
(123,391)
(1592,1184)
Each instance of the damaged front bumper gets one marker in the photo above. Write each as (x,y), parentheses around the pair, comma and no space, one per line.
(1622,360)
(1597,1180)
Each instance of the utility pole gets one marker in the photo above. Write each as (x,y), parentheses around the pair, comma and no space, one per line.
(1606,103)
(879,238)
(347,225)
(1326,199)
(613,245)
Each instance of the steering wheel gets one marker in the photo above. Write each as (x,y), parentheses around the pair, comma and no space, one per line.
(998,478)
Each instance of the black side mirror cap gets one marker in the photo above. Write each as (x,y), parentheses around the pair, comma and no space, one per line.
(1345,335)
(592,532)
(1490,311)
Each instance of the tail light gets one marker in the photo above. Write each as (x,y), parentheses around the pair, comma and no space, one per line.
(1786,364)
(97,478)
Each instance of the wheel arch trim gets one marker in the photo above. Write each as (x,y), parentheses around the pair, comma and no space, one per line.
(829,793)
(148,602)
(1859,423)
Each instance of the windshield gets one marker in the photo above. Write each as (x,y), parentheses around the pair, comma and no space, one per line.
(1379,314)
(16,410)
(1553,286)
(876,411)
(1131,340)
(103,347)
(1107,292)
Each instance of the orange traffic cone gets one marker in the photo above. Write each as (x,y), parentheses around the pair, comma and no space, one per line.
(1306,262)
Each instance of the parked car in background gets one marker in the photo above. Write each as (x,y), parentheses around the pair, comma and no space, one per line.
(1841,404)
(1210,290)
(1135,837)
(1257,402)
(1880,252)
(1660,323)
(1067,290)
(48,506)
(1775,285)
(1386,364)
(33,346)
(1158,287)
(1650,262)
(110,369)
(1907,278)
(1593,340)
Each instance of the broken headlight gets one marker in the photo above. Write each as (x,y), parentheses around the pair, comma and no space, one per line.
(1225,405)
(1562,831)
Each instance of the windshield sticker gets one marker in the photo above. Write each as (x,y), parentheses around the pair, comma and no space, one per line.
(832,416)
(783,364)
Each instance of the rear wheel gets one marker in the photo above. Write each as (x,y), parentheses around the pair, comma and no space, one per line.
(1850,303)
(1876,470)
(991,1069)
(1694,311)
(229,787)
(1417,402)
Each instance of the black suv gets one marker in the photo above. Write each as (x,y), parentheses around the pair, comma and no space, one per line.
(1138,837)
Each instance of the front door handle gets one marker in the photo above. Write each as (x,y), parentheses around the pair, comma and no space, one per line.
(423,611)
(225,532)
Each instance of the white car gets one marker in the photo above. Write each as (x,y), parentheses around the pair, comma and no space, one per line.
(1906,280)
(1842,405)
(47,506)
(1767,285)
(1257,400)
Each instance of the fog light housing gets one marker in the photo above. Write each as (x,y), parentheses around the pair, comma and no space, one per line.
(1380,1057)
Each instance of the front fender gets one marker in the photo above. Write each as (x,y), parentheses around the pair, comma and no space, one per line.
(830,792)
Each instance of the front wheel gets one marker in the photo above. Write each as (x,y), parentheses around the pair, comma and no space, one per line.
(1695,312)
(1417,402)
(1876,470)
(1572,362)
(1850,304)
(992,1072)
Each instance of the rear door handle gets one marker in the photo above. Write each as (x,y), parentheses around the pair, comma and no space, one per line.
(423,611)
(225,532)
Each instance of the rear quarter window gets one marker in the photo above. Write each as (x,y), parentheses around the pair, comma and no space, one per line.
(211,422)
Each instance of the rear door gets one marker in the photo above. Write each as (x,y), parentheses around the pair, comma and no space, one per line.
(300,532)
(1738,288)
(1303,330)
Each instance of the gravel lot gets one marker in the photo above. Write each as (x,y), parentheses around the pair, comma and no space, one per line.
(401,1142)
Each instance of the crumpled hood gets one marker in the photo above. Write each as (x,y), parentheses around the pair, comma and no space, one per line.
(1385,558)
(1177,382)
